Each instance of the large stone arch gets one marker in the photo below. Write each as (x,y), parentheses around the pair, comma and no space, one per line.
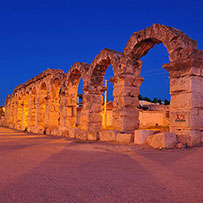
(185,72)
(173,39)
(100,64)
(92,118)
(68,96)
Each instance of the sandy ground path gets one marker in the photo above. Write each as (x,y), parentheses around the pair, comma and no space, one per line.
(39,168)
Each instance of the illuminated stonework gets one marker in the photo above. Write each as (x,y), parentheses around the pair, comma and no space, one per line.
(47,103)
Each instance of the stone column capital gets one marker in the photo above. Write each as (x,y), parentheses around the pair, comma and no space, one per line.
(185,67)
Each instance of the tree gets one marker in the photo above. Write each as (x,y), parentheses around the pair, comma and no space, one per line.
(159,101)
(147,99)
(140,97)
(155,100)
(166,102)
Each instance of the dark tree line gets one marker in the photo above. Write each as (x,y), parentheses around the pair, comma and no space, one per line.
(155,100)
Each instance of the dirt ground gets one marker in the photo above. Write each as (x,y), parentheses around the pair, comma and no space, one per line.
(39,168)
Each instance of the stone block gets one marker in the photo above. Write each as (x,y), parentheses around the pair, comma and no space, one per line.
(181,145)
(140,136)
(185,119)
(10,125)
(120,102)
(201,136)
(186,84)
(162,140)
(107,135)
(187,100)
(130,91)
(190,137)
(95,126)
(64,133)
(40,131)
(55,132)
(23,128)
(18,127)
(93,107)
(127,81)
(72,132)
(81,135)
(126,124)
(130,112)
(83,124)
(90,117)
(48,131)
(93,136)
(124,137)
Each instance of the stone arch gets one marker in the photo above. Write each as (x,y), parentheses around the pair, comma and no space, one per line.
(184,70)
(173,39)
(68,96)
(100,64)
(92,118)
(76,71)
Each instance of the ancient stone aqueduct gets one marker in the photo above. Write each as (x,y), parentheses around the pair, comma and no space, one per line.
(47,102)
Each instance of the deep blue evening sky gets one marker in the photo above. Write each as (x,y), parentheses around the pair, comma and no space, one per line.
(40,34)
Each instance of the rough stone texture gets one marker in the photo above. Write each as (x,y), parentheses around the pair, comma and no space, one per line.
(47,102)
(93,136)
(181,145)
(140,136)
(124,137)
(201,136)
(162,140)
(107,135)
(81,135)
(190,137)
(173,39)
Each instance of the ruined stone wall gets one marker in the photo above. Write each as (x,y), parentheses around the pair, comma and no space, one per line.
(34,105)
(48,102)
(153,119)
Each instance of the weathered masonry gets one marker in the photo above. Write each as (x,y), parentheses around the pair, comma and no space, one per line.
(47,103)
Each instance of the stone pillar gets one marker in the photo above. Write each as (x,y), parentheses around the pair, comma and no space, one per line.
(126,82)
(125,112)
(67,111)
(19,123)
(63,109)
(11,121)
(40,114)
(48,110)
(91,119)
(186,108)
(32,107)
(7,110)
(71,107)
(52,112)
(23,113)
